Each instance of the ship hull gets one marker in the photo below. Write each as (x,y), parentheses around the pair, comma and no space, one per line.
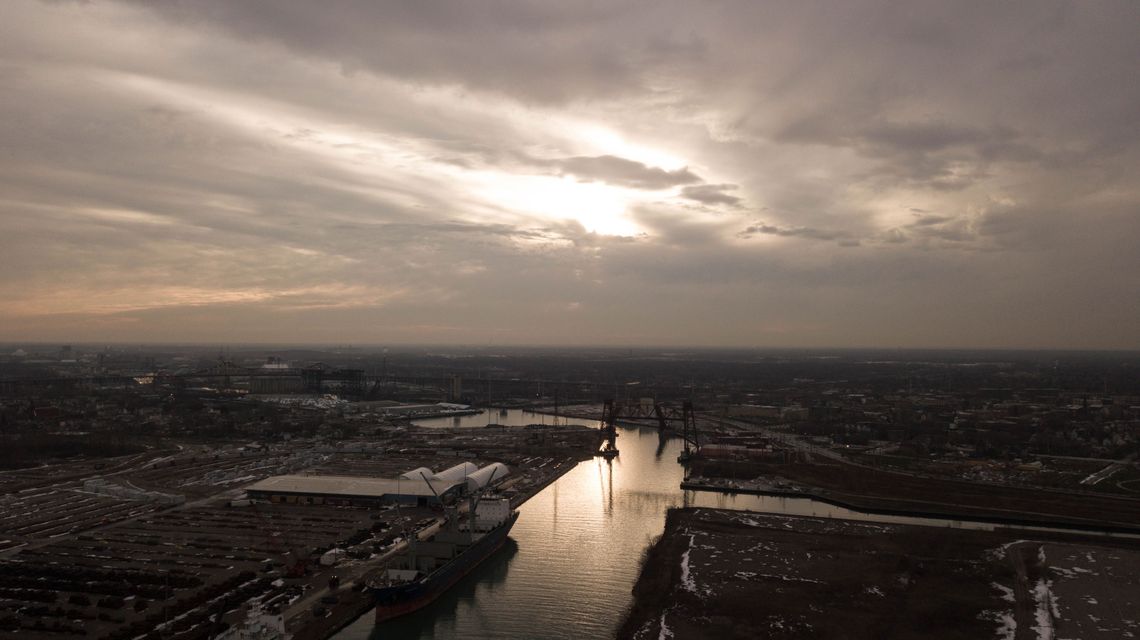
(396,601)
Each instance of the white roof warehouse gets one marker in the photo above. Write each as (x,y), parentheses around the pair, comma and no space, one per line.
(419,486)
(353,489)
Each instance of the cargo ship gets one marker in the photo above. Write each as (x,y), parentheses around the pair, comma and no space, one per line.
(430,567)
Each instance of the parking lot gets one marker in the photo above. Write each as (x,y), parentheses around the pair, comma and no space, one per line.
(162,546)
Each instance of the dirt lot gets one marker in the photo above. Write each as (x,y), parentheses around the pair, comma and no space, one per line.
(729,574)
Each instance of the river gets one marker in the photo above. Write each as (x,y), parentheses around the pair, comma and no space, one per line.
(577,550)
(577,545)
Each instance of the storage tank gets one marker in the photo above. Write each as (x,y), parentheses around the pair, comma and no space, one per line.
(456,473)
(414,474)
(495,471)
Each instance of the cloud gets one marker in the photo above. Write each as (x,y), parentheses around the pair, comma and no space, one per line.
(929,220)
(672,225)
(791,232)
(894,236)
(621,172)
(712,194)
(290,172)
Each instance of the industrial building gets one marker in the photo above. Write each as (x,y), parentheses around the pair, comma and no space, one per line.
(417,487)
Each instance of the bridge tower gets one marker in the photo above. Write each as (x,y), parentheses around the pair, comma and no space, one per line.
(689,432)
(609,429)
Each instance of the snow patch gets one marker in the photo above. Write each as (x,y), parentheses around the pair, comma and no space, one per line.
(1006,592)
(1046,611)
(686,579)
(789,578)
(1000,552)
(1007,625)
(665,633)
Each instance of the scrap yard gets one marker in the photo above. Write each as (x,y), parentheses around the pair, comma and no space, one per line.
(171,544)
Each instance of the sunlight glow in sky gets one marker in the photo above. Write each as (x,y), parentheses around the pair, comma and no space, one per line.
(571,173)
(599,208)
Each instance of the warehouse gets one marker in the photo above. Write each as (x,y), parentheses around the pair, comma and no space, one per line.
(419,486)
(355,490)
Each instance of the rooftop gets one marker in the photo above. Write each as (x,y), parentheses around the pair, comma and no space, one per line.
(352,486)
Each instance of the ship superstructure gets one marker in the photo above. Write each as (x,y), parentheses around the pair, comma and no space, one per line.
(427,568)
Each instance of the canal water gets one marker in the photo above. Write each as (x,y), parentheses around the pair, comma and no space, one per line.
(576,553)
(576,549)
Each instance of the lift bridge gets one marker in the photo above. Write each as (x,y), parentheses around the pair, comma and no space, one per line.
(664,416)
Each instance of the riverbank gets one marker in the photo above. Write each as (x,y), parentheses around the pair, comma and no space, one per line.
(732,574)
(879,491)
(950,513)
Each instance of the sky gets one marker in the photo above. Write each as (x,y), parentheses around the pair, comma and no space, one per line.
(756,174)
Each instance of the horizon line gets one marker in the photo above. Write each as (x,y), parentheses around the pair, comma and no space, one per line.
(474,346)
